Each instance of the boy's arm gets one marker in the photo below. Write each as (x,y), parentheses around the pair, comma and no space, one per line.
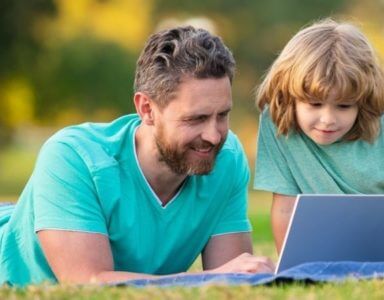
(282,207)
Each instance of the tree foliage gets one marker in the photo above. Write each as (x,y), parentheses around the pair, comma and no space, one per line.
(89,73)
(85,74)
(19,48)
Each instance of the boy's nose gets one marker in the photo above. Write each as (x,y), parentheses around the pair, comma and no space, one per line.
(327,117)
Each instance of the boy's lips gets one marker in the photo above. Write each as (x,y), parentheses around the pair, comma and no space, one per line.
(326,130)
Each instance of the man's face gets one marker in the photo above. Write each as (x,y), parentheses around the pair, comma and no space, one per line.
(192,128)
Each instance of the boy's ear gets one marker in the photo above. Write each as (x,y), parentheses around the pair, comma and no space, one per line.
(144,107)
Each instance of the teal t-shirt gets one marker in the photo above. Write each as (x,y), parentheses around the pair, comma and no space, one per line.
(296,165)
(87,178)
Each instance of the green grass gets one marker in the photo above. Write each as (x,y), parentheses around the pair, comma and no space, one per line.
(16,166)
(348,290)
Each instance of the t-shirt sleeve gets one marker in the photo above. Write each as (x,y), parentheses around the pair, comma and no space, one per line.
(272,171)
(234,217)
(64,194)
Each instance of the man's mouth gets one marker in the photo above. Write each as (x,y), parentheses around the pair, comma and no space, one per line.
(203,150)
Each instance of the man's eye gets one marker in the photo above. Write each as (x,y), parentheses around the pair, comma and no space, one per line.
(223,115)
(197,119)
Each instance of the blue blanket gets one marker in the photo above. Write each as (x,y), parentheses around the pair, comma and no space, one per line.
(309,272)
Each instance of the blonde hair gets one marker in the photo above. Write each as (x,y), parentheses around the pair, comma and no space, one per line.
(326,56)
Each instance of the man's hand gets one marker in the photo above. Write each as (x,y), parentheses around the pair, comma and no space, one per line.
(246,263)
(232,253)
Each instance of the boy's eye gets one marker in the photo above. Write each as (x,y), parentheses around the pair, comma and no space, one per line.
(344,106)
(315,104)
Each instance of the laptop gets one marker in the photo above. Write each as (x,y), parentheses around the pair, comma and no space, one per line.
(334,228)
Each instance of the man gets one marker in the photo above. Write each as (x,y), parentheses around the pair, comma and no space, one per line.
(144,195)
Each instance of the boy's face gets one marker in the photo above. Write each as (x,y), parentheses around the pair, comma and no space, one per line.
(192,128)
(326,122)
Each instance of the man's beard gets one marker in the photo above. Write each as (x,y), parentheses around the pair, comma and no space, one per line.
(177,159)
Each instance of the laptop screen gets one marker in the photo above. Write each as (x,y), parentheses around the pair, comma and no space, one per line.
(334,228)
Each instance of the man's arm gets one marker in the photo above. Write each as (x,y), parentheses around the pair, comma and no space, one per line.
(282,207)
(233,253)
(78,257)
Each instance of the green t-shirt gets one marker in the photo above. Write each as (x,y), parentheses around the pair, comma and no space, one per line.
(296,165)
(87,178)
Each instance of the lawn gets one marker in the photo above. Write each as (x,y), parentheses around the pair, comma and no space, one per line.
(348,290)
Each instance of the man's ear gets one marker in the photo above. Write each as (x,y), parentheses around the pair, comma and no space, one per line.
(144,107)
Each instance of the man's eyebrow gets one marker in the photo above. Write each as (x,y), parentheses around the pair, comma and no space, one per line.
(226,110)
(197,115)
(194,116)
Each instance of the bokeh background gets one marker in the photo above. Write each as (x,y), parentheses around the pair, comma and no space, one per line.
(64,62)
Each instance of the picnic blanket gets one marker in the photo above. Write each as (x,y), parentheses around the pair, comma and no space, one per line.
(308,272)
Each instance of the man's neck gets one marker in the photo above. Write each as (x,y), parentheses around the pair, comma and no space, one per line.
(162,180)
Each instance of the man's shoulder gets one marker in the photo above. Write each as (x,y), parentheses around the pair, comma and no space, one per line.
(97,143)
(97,132)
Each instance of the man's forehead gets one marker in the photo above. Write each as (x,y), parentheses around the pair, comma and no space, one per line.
(207,109)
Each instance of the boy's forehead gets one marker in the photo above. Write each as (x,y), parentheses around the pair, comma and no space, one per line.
(329,91)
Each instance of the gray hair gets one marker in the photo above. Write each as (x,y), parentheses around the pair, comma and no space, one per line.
(171,55)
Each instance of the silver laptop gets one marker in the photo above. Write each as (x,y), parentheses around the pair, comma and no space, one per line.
(334,228)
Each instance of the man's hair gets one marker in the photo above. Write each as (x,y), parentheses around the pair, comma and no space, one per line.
(326,57)
(171,55)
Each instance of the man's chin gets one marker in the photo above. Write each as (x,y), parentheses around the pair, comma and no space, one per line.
(201,168)
(199,172)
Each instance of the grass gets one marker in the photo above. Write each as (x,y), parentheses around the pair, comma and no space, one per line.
(371,289)
(16,166)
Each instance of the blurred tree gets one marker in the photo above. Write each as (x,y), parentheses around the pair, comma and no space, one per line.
(369,14)
(254,30)
(84,74)
(19,44)
(88,64)
(68,60)
(123,22)
(19,47)
(61,58)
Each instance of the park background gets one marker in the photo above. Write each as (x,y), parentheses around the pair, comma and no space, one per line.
(65,62)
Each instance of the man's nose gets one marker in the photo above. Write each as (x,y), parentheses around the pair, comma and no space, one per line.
(212,133)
